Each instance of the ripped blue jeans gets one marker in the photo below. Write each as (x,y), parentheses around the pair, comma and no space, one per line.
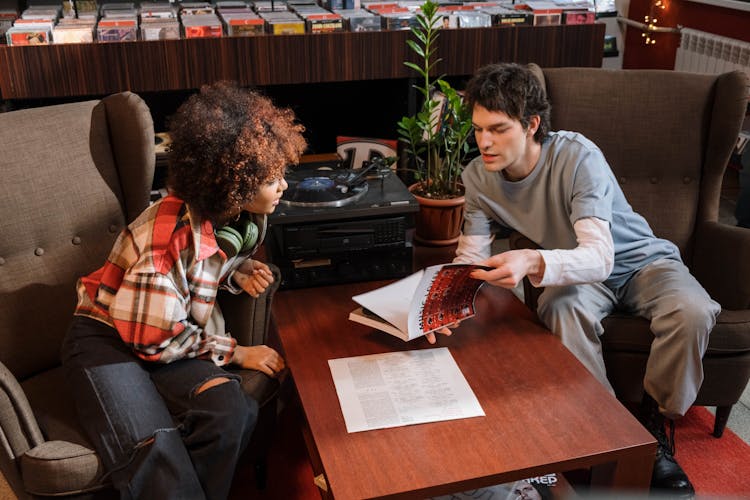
(156,437)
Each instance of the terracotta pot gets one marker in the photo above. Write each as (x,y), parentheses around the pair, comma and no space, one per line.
(438,222)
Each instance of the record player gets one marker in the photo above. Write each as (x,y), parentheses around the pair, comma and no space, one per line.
(336,225)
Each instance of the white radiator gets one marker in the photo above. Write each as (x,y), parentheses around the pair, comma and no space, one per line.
(702,52)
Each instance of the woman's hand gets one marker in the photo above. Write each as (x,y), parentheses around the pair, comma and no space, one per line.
(259,357)
(253,276)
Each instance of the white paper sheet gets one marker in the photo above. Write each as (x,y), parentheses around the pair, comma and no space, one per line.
(402,388)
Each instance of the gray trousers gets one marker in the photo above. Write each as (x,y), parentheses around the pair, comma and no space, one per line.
(664,292)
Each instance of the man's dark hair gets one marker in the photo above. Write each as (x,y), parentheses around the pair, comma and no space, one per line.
(226,142)
(512,89)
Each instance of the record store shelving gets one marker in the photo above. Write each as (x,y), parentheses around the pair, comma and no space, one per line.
(72,70)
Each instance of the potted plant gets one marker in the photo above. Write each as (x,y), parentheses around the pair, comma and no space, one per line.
(435,138)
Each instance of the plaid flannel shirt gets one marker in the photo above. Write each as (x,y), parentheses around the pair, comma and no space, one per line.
(159,284)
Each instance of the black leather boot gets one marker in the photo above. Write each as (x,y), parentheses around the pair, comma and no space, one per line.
(668,477)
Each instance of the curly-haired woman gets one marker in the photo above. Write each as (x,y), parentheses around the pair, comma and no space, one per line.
(146,352)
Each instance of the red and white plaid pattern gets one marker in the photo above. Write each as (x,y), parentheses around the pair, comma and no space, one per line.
(159,284)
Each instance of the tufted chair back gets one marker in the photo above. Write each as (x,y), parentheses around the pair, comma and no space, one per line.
(668,137)
(664,134)
(74,175)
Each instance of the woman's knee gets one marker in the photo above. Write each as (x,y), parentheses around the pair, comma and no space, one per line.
(225,401)
(211,383)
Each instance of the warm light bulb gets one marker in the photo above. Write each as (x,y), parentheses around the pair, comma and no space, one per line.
(651,22)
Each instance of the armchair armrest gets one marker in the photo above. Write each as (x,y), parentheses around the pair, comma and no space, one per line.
(19,430)
(249,321)
(721,263)
(246,318)
(517,241)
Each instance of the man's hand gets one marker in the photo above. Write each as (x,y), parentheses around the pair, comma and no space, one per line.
(253,276)
(446,330)
(511,267)
(259,357)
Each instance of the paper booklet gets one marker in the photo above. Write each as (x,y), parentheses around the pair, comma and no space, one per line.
(391,389)
(425,301)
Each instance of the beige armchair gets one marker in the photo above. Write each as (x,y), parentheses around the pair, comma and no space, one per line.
(668,136)
(73,176)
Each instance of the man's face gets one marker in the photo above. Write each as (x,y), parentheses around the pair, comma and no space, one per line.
(267,198)
(503,141)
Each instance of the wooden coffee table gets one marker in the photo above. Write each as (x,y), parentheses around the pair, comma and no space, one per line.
(544,411)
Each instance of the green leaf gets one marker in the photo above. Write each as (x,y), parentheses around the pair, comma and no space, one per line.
(414,67)
(420,35)
(416,48)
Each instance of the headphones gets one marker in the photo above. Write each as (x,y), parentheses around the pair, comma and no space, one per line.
(241,236)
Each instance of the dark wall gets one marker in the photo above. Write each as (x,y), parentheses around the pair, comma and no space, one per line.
(10,4)
(364,108)
(361,108)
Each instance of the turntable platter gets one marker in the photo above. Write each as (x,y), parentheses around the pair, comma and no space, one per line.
(322,188)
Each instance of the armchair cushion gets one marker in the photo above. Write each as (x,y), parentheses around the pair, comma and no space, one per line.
(624,332)
(53,406)
(627,341)
(61,467)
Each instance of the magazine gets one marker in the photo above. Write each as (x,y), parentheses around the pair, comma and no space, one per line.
(423,302)
(548,487)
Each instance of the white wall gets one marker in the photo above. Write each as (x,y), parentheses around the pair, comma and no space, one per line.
(618,30)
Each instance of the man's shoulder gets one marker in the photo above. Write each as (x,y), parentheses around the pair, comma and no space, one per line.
(568,139)
(573,151)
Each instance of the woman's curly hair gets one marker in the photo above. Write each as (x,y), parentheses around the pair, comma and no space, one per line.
(512,89)
(226,142)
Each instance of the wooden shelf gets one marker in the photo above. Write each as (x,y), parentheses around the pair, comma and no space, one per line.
(151,66)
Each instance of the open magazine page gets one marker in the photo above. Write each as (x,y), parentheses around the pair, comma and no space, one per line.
(445,295)
(392,302)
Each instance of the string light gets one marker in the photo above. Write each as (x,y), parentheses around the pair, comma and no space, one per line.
(651,21)
(650,27)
